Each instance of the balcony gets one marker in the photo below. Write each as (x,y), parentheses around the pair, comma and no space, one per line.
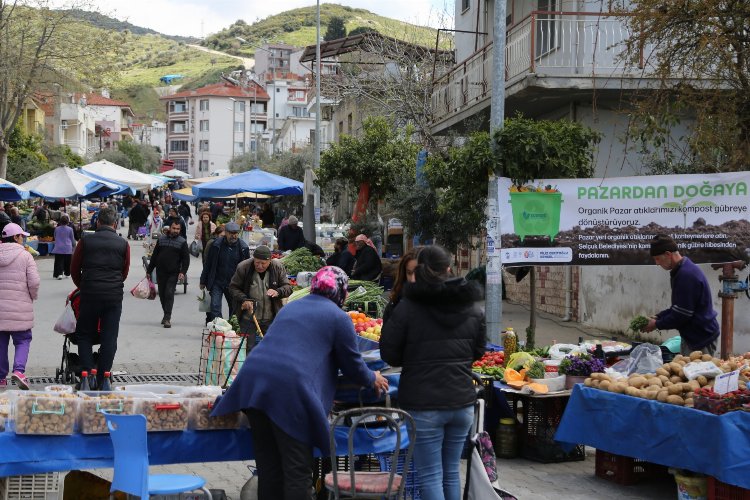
(563,45)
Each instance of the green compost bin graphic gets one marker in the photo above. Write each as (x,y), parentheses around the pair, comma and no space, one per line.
(536,213)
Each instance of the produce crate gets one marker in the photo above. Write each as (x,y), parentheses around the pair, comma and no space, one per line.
(541,417)
(45,486)
(723,491)
(411,490)
(626,470)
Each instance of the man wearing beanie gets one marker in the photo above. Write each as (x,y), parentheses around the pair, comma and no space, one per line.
(692,312)
(291,236)
(258,286)
(222,259)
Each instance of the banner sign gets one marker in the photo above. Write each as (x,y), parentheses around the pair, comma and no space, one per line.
(612,221)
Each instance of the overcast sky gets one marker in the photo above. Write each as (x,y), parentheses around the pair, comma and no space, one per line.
(203,17)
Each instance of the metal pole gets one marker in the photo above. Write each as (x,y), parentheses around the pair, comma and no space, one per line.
(308,214)
(493,296)
(253,123)
(273,118)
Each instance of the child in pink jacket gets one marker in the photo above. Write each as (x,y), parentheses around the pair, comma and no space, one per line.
(19,280)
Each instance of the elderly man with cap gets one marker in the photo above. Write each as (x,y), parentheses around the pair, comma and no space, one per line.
(367,264)
(259,285)
(692,312)
(222,258)
(291,236)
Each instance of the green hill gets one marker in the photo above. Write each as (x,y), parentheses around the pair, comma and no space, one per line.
(297,27)
(110,23)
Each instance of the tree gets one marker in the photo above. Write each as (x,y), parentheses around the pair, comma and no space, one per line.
(25,158)
(362,29)
(115,156)
(41,46)
(699,53)
(336,29)
(379,158)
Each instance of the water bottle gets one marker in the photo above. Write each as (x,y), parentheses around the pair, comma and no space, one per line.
(106,383)
(92,380)
(85,381)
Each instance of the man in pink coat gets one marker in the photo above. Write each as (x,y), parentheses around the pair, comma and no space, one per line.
(19,280)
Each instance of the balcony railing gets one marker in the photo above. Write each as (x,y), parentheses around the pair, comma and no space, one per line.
(563,44)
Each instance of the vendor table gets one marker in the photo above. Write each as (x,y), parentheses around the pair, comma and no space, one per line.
(661,433)
(33,454)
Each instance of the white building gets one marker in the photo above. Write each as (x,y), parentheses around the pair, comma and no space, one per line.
(153,134)
(113,119)
(289,114)
(209,126)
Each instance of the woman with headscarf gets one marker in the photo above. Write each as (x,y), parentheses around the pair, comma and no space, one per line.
(367,265)
(287,383)
(435,334)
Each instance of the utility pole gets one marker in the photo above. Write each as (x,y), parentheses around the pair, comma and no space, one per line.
(494,288)
(308,214)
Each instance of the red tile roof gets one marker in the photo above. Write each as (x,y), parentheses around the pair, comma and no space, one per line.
(222,89)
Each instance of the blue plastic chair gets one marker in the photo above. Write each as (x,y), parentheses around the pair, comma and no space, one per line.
(129,439)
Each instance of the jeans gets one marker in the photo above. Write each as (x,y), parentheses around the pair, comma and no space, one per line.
(98,314)
(22,342)
(217,293)
(167,285)
(441,435)
(62,265)
(285,465)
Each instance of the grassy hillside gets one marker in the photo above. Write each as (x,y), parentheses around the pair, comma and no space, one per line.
(109,23)
(297,27)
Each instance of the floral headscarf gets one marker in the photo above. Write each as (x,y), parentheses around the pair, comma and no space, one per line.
(331,282)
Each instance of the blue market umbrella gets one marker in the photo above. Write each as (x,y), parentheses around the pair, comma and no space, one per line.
(64,182)
(255,180)
(11,192)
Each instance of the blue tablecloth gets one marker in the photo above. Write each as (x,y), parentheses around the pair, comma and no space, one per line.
(660,433)
(33,454)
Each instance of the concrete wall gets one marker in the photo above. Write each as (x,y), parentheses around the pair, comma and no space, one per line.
(550,290)
(611,296)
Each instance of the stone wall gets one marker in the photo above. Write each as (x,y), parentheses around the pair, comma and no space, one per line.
(550,289)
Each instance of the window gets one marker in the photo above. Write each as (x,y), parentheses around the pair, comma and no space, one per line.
(341,127)
(239,126)
(258,128)
(546,28)
(239,106)
(203,145)
(179,127)
(258,107)
(178,146)
(300,111)
(239,147)
(203,166)
(177,106)
(181,165)
(204,105)
(349,120)
(203,125)
(252,145)
(312,136)
(465,4)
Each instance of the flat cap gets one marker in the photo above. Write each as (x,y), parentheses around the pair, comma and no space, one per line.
(262,253)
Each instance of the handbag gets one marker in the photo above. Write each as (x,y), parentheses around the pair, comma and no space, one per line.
(66,323)
(204,301)
(195,249)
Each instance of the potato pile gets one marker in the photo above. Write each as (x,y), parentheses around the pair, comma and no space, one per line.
(92,418)
(165,414)
(669,384)
(46,413)
(200,409)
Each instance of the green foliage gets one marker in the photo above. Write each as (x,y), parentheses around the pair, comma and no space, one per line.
(131,150)
(359,30)
(143,100)
(25,157)
(537,149)
(380,156)
(115,156)
(336,29)
(61,154)
(140,157)
(111,24)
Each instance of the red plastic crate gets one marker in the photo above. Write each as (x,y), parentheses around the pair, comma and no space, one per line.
(723,491)
(625,470)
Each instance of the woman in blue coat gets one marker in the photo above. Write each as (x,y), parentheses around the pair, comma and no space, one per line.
(287,383)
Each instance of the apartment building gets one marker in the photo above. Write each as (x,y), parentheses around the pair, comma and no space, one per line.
(273,58)
(153,134)
(209,126)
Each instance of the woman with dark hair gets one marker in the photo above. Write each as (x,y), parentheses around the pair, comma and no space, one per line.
(297,361)
(65,243)
(435,334)
(204,230)
(404,273)
(218,233)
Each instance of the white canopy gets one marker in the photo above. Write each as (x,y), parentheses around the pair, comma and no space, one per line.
(64,182)
(177,174)
(110,171)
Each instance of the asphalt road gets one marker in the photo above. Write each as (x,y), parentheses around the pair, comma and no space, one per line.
(142,339)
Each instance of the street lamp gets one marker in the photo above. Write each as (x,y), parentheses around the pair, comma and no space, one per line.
(273,98)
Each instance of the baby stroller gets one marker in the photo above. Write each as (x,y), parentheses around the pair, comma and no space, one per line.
(70,365)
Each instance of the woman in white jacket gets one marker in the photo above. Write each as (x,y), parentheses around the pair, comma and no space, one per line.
(19,280)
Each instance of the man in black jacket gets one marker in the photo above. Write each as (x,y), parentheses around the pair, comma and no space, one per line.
(99,267)
(222,258)
(174,216)
(291,236)
(137,217)
(171,259)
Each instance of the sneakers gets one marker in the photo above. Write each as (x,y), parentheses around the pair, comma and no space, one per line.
(167,324)
(20,380)
(59,277)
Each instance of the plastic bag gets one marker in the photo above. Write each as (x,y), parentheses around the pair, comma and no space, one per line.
(204,301)
(66,323)
(695,369)
(142,290)
(195,249)
(559,351)
(644,358)
(673,344)
(219,325)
